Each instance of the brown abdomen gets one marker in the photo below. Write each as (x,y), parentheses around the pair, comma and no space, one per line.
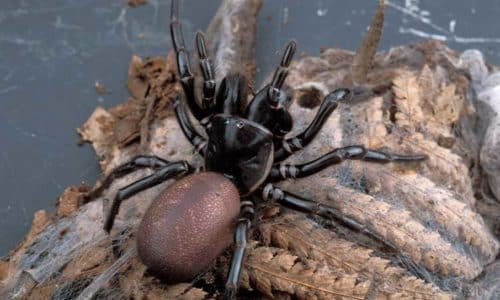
(188,226)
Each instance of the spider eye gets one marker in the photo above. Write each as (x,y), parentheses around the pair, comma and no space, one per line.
(239,125)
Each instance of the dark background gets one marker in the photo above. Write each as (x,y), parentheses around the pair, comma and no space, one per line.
(53,51)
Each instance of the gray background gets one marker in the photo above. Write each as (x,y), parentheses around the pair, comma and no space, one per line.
(53,51)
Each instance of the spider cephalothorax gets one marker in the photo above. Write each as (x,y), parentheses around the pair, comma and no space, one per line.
(191,222)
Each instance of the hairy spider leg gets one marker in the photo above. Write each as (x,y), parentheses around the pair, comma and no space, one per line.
(240,242)
(195,138)
(138,162)
(336,156)
(207,70)
(171,170)
(289,200)
(287,147)
(183,64)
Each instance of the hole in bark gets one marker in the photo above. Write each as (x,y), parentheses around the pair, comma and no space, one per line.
(310,97)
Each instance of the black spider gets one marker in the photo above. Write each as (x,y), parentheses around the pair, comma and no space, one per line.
(245,144)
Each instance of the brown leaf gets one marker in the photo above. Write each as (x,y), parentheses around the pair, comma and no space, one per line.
(181,291)
(408,100)
(137,79)
(70,200)
(429,83)
(273,269)
(446,167)
(307,239)
(363,60)
(448,105)
(98,130)
(128,116)
(430,94)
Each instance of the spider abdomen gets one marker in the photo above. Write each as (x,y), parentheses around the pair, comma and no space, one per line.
(188,226)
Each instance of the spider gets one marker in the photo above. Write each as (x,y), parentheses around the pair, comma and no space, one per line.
(188,224)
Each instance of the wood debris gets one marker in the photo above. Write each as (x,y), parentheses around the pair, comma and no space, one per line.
(135,3)
(100,88)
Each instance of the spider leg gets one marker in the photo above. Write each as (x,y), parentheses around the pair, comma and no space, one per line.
(275,88)
(269,107)
(295,202)
(282,171)
(240,240)
(183,64)
(232,95)
(163,174)
(208,72)
(196,139)
(141,161)
(329,104)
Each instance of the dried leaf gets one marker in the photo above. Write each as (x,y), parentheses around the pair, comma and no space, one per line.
(140,75)
(181,291)
(448,105)
(152,83)
(71,199)
(438,101)
(273,269)
(98,130)
(363,60)
(411,98)
(429,84)
(127,117)
(408,100)
(443,167)
(307,239)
